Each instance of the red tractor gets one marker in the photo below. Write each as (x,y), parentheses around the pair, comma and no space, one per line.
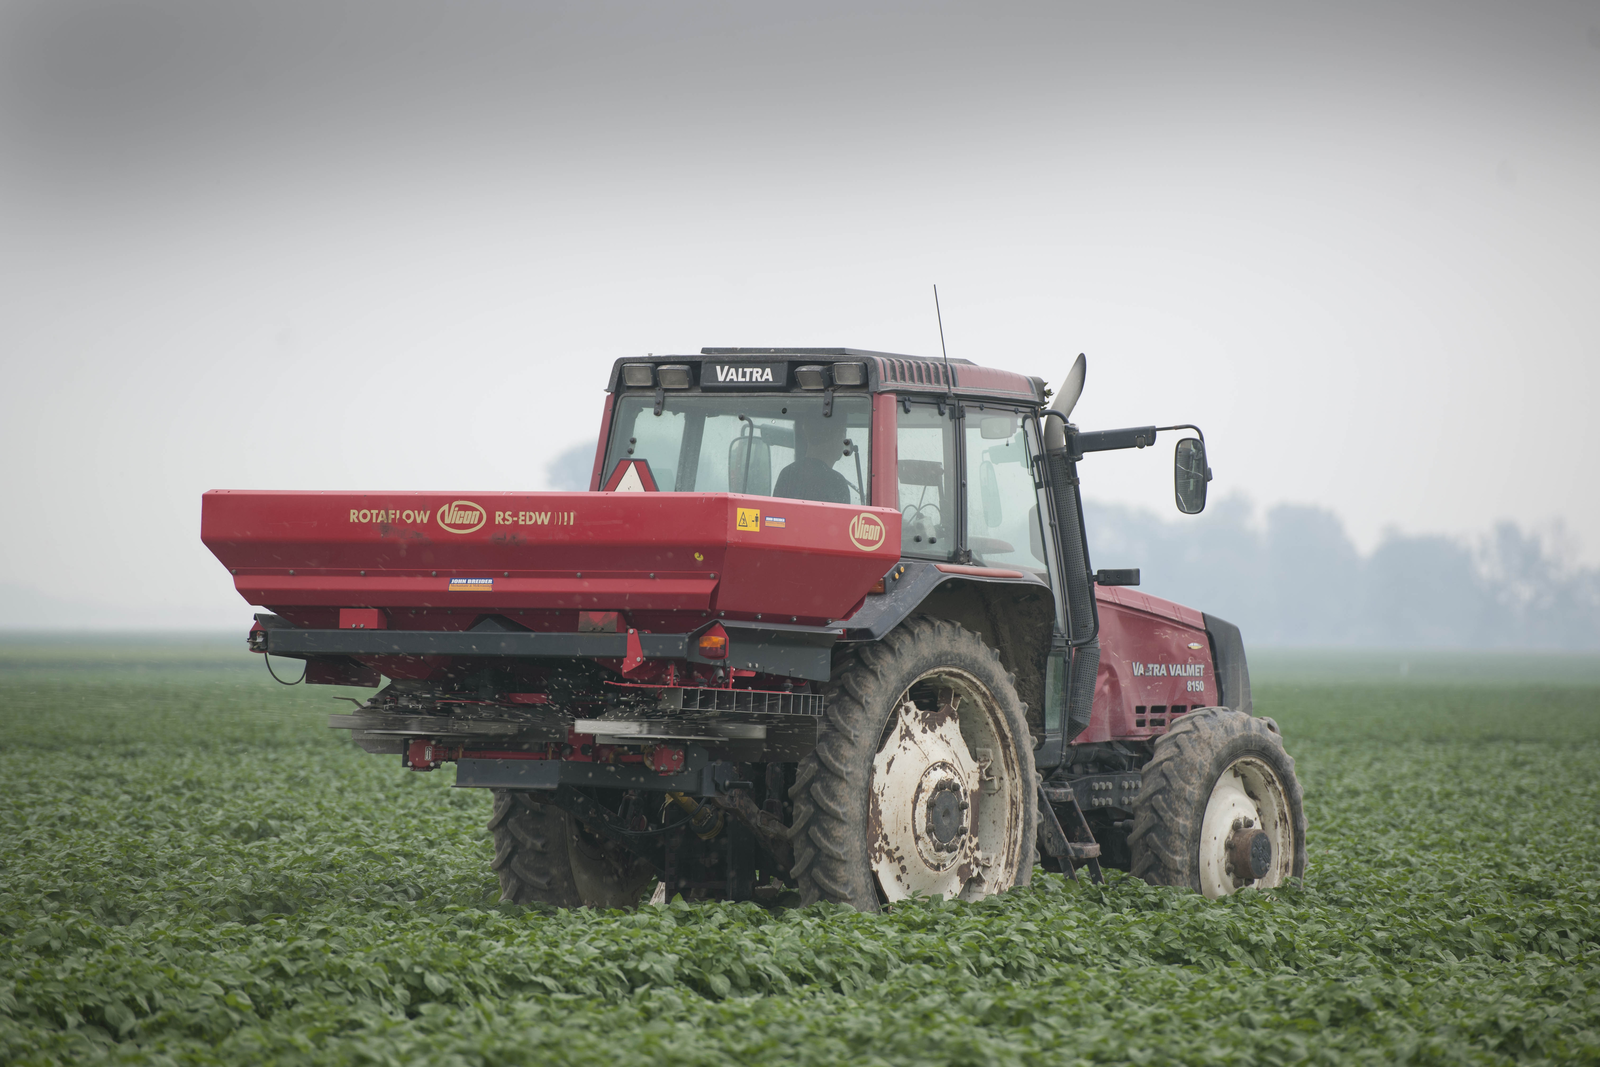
(824,621)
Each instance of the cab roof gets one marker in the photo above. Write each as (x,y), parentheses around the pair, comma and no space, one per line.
(887,372)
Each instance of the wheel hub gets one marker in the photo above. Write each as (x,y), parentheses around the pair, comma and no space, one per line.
(938,813)
(1249,851)
(945,813)
(1245,833)
(922,809)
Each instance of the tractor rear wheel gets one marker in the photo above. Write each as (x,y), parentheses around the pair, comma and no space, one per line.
(545,856)
(1219,808)
(922,780)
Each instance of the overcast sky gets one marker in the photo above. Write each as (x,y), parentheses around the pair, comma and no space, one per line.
(397,245)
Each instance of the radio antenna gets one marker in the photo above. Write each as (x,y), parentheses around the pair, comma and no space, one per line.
(949,382)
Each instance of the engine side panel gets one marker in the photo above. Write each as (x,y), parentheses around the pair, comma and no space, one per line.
(1155,665)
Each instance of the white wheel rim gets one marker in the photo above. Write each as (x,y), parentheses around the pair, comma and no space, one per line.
(944,807)
(1248,795)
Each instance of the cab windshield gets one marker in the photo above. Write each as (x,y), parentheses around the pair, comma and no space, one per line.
(781,446)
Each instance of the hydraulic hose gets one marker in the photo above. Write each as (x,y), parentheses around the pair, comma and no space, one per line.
(704,820)
(305,666)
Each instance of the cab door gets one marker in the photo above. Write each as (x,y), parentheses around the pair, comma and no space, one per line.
(1004,526)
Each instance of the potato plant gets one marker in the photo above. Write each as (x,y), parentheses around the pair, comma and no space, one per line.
(194,870)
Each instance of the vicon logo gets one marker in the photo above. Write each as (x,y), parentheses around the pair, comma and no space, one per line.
(866,530)
(462,517)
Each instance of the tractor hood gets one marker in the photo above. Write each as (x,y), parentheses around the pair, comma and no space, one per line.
(739,556)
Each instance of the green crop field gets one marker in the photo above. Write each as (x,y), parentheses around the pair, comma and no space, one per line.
(193,869)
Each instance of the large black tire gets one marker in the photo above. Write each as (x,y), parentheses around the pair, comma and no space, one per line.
(855,813)
(1217,783)
(543,856)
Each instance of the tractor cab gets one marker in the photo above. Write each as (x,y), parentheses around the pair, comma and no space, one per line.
(956,448)
(953,447)
(979,462)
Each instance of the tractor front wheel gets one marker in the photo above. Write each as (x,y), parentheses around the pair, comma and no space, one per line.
(922,780)
(1219,807)
(545,856)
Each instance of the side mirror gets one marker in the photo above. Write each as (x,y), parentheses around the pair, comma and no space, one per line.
(1190,475)
(750,466)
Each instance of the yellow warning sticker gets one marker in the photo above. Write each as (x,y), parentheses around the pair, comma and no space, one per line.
(749,519)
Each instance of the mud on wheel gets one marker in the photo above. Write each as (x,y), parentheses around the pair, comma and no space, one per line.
(545,856)
(1219,807)
(922,780)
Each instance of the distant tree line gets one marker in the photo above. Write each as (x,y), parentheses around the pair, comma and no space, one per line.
(1296,579)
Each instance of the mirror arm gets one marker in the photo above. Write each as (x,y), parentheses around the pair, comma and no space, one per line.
(1187,426)
(1066,430)
(1111,440)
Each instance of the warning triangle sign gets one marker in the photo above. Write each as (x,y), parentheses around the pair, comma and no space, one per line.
(631,476)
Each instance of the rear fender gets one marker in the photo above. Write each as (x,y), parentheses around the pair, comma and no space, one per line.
(1013,611)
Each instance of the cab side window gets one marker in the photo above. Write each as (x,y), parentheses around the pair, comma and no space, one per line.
(1003,527)
(927,445)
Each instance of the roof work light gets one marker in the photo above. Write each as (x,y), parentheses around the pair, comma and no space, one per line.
(811,376)
(674,376)
(849,374)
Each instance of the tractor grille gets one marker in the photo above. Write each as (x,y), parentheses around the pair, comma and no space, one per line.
(1157,714)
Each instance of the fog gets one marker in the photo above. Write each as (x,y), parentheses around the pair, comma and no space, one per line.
(1291,577)
(397,245)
